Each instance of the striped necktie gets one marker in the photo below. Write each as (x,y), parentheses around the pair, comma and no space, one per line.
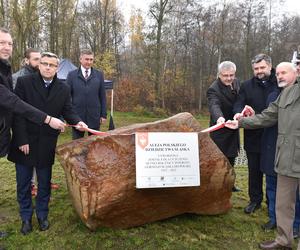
(86,74)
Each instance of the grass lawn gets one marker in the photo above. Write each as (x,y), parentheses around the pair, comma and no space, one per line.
(234,230)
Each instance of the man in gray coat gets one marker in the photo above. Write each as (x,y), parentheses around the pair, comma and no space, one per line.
(88,93)
(286,111)
(31,64)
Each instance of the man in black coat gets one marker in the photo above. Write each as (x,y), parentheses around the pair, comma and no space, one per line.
(11,104)
(88,93)
(221,96)
(34,146)
(254,92)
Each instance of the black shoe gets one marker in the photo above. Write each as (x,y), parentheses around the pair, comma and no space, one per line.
(270,225)
(43,224)
(3,234)
(296,233)
(252,206)
(235,189)
(26,227)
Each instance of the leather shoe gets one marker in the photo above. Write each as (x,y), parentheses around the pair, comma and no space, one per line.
(26,227)
(271,245)
(252,206)
(270,225)
(296,233)
(43,224)
(235,189)
(3,234)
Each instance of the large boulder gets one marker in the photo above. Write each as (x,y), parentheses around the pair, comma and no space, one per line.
(100,174)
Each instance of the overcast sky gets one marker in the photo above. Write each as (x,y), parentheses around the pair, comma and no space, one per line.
(292,6)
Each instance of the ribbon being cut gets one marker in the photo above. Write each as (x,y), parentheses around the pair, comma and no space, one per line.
(247,111)
(92,131)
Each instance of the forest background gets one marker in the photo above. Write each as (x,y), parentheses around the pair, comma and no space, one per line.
(162,61)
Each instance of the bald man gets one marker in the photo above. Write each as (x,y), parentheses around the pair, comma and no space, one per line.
(286,111)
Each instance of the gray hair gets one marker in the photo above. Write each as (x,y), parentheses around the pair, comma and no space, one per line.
(290,65)
(226,65)
(4,30)
(260,57)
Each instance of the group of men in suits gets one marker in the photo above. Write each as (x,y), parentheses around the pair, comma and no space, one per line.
(80,102)
(226,100)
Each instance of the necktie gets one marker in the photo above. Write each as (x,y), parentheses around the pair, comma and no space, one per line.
(47,83)
(86,74)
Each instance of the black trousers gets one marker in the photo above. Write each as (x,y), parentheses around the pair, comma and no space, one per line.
(255,178)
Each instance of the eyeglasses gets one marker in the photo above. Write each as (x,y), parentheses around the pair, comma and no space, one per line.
(3,43)
(51,65)
(228,75)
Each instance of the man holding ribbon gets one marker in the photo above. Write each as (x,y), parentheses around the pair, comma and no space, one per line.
(221,96)
(34,146)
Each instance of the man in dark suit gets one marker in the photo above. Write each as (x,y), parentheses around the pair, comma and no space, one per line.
(88,93)
(11,104)
(34,146)
(254,92)
(221,96)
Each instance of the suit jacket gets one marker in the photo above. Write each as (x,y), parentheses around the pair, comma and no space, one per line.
(9,104)
(88,96)
(254,93)
(41,139)
(220,103)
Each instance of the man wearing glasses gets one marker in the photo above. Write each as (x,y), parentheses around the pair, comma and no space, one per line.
(254,92)
(34,146)
(11,104)
(221,96)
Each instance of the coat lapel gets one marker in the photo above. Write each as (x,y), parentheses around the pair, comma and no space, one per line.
(79,73)
(37,84)
(55,89)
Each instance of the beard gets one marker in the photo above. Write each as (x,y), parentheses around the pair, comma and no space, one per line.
(263,76)
(282,84)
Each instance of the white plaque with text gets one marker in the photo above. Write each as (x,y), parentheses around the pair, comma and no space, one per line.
(167,159)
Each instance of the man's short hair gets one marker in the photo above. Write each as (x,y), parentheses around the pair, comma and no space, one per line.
(49,54)
(260,57)
(4,30)
(226,65)
(29,51)
(292,66)
(86,52)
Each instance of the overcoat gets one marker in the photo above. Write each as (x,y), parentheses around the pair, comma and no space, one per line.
(9,104)
(220,103)
(88,96)
(254,92)
(41,139)
(286,111)
(268,142)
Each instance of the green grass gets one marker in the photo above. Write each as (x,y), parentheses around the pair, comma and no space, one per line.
(234,230)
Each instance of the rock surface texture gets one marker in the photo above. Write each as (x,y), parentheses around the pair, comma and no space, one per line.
(100,174)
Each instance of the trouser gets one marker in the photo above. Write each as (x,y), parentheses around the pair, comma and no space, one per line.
(23,176)
(285,208)
(255,178)
(271,183)
(231,160)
